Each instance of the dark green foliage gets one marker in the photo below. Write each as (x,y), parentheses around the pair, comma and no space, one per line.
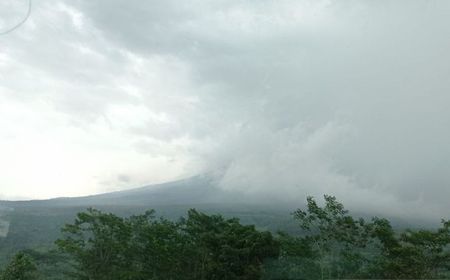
(21,267)
(52,264)
(141,247)
(37,227)
(226,249)
(99,242)
(158,248)
(421,254)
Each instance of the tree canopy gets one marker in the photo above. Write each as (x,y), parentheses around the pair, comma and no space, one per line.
(332,244)
(142,247)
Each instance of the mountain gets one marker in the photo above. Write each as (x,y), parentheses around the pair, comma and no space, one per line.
(201,189)
(37,223)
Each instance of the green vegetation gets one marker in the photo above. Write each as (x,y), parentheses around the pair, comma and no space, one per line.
(330,244)
(106,246)
(21,267)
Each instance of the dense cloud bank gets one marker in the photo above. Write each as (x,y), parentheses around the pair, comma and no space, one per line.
(288,97)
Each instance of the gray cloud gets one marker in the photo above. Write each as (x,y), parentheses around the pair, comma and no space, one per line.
(293,97)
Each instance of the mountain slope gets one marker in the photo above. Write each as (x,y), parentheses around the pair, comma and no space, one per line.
(201,189)
(37,223)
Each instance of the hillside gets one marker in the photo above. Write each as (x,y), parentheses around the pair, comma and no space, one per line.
(36,223)
(199,189)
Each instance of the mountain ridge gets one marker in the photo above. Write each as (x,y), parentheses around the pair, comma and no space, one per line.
(197,189)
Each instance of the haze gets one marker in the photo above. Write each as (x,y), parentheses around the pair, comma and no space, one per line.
(285,98)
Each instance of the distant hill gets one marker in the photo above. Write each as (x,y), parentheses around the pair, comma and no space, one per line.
(201,189)
(36,223)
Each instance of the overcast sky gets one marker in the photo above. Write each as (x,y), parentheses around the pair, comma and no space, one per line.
(288,98)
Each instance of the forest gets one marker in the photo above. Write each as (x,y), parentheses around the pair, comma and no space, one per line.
(332,244)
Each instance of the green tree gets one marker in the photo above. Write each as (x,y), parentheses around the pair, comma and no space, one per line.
(421,254)
(140,247)
(338,240)
(21,267)
(227,249)
(160,249)
(99,243)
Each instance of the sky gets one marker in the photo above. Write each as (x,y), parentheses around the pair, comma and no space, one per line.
(288,98)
